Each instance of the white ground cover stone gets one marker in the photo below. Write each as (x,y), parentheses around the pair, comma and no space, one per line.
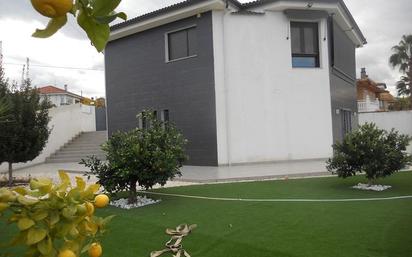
(377,188)
(141,201)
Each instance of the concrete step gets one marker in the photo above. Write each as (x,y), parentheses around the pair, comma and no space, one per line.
(69,154)
(72,159)
(81,149)
(84,145)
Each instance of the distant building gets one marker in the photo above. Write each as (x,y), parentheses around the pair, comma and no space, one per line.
(372,96)
(58,96)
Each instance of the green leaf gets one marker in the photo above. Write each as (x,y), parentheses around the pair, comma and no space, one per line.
(35,235)
(44,185)
(81,185)
(25,223)
(52,27)
(45,246)
(65,179)
(40,215)
(108,19)
(86,248)
(69,212)
(26,201)
(54,218)
(104,7)
(97,33)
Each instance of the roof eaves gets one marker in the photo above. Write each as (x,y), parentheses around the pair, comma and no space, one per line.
(341,2)
(164,10)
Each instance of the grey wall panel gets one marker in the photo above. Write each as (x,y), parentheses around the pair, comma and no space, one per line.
(101,119)
(342,78)
(137,78)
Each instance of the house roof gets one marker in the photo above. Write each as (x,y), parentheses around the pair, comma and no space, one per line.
(52,90)
(372,86)
(163,10)
(241,7)
(341,2)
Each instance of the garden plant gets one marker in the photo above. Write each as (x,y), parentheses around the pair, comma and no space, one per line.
(376,152)
(149,155)
(24,127)
(55,219)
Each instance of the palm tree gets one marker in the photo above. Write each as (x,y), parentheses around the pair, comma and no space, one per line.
(402,58)
(404,86)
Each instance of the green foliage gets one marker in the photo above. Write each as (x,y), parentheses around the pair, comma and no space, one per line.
(400,104)
(369,149)
(147,156)
(25,134)
(53,217)
(93,16)
(402,59)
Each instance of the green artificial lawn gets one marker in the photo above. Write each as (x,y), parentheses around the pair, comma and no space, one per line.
(269,229)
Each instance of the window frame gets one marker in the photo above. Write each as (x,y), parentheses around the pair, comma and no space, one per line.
(316,56)
(166,39)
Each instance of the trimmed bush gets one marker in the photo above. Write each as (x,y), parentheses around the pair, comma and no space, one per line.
(376,152)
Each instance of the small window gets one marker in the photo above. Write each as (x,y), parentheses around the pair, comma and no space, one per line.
(305,44)
(182,43)
(346,122)
(165,116)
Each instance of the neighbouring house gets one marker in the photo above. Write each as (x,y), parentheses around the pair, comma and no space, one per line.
(255,82)
(58,96)
(372,96)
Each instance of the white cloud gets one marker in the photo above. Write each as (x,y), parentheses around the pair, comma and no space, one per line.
(383,23)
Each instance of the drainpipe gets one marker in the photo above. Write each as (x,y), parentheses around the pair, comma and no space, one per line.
(227,121)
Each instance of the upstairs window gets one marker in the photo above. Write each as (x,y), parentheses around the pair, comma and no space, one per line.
(305,44)
(182,44)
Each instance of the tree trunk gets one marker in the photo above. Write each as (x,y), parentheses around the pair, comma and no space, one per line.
(371,181)
(10,174)
(132,194)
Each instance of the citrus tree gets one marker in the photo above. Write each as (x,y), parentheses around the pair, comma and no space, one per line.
(93,16)
(376,152)
(55,220)
(149,155)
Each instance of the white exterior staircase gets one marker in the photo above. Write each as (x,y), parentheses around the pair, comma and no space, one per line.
(84,145)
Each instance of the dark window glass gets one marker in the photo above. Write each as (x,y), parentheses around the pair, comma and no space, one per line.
(177,44)
(144,122)
(305,44)
(192,41)
(165,115)
(346,122)
(182,43)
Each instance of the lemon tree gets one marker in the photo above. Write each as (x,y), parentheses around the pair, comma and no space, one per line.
(93,16)
(55,220)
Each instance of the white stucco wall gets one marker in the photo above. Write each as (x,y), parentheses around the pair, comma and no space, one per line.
(267,110)
(400,121)
(66,122)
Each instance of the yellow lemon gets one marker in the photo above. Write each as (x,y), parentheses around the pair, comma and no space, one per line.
(67,253)
(95,250)
(101,201)
(52,8)
(90,209)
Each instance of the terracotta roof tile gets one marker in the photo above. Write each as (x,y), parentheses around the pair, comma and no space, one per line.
(51,90)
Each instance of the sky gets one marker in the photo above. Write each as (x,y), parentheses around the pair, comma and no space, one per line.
(68,58)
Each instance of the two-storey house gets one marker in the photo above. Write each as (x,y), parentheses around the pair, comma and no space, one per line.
(262,81)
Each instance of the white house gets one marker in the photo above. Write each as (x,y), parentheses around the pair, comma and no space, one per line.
(58,96)
(264,81)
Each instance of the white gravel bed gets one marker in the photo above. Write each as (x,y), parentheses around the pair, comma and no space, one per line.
(378,188)
(141,201)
